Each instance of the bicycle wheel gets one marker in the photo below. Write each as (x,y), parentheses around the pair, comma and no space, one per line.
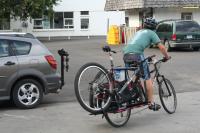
(92,88)
(167,96)
(119,117)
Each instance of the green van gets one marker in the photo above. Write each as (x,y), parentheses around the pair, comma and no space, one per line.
(179,34)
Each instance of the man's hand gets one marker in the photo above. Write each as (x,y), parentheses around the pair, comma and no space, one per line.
(165,59)
(163,51)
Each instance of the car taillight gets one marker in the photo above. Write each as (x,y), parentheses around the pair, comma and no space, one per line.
(52,62)
(174,37)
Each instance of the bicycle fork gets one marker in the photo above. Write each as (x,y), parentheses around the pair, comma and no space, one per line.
(164,80)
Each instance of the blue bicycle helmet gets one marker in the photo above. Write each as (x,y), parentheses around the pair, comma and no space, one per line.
(150,23)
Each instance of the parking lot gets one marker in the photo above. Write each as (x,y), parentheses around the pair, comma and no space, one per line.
(182,69)
(61,113)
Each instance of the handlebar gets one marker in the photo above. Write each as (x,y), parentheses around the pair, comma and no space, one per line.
(150,59)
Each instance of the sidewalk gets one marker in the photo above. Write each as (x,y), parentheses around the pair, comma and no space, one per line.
(71,118)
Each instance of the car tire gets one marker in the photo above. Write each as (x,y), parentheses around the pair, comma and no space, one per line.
(167,46)
(27,93)
(196,49)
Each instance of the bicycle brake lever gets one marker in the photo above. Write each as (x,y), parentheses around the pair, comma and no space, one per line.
(114,52)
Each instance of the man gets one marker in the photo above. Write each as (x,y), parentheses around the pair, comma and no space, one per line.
(143,39)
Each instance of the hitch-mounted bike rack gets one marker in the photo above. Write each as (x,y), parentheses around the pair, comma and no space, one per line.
(64,58)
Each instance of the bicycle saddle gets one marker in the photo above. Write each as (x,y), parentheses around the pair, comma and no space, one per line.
(130,60)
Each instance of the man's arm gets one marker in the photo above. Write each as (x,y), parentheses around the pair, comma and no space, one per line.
(163,50)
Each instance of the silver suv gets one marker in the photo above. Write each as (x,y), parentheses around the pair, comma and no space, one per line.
(27,70)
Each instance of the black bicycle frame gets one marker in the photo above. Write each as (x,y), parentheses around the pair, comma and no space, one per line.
(128,80)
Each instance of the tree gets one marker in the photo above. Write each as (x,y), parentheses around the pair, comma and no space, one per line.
(26,8)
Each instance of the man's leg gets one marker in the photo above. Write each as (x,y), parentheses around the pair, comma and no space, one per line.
(149,86)
(151,104)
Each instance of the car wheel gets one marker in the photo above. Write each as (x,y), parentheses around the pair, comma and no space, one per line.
(196,49)
(167,46)
(27,93)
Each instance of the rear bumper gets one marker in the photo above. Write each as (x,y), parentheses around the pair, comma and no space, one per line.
(53,83)
(185,44)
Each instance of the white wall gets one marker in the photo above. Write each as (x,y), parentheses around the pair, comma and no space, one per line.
(162,14)
(98,25)
(17,25)
(133,18)
(80,5)
(98,19)
(174,13)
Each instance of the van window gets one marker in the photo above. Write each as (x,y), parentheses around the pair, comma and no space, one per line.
(164,27)
(187,26)
(21,47)
(4,48)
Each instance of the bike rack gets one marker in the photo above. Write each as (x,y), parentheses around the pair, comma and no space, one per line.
(64,58)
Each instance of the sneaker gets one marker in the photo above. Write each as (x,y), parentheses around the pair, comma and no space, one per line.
(154,106)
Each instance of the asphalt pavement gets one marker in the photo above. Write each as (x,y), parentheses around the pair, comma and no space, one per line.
(71,118)
(60,113)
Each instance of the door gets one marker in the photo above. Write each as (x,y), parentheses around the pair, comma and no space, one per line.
(8,66)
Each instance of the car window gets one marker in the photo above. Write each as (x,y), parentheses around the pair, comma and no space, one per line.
(187,26)
(4,48)
(164,27)
(21,48)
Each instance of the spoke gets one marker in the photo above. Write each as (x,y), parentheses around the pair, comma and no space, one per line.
(22,97)
(31,88)
(29,100)
(23,89)
(36,95)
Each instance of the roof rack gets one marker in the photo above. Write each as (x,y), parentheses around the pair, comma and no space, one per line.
(168,20)
(18,34)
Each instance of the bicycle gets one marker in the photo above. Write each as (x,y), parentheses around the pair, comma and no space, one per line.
(104,94)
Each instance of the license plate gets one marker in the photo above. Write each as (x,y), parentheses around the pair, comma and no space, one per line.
(189,37)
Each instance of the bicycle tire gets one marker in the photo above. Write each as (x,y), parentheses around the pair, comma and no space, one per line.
(118,123)
(164,95)
(92,87)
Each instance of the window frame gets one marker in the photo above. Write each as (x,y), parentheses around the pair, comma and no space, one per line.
(14,48)
(38,19)
(10,51)
(84,16)
(68,26)
(184,15)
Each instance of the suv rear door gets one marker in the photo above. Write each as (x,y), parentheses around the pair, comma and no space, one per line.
(8,66)
(187,31)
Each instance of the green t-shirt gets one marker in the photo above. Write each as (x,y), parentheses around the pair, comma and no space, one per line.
(141,40)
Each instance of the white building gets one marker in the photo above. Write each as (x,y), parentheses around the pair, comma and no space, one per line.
(135,10)
(71,18)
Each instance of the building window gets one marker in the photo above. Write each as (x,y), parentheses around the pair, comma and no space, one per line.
(186,16)
(58,20)
(84,12)
(84,23)
(68,20)
(4,24)
(42,23)
(84,19)
(37,24)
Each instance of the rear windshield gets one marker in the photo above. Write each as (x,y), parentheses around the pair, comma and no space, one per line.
(187,26)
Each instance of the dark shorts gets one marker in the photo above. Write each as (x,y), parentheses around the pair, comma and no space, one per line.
(138,58)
